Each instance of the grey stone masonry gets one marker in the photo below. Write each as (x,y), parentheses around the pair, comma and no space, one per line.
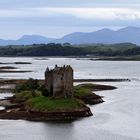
(59,81)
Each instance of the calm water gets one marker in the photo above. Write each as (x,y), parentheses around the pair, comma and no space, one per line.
(116,119)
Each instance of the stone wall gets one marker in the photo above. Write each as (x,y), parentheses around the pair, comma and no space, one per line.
(59,81)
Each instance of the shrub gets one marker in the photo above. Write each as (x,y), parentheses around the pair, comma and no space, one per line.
(44,91)
(31,85)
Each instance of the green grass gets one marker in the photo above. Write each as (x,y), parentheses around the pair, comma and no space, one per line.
(88,86)
(25,95)
(81,91)
(50,104)
(84,90)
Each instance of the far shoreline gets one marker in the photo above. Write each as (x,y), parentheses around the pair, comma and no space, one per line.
(82,57)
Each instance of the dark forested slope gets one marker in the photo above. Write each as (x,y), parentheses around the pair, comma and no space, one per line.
(125,49)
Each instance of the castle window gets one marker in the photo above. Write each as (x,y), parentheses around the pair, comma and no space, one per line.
(61,78)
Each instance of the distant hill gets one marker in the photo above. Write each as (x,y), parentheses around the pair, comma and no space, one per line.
(26,40)
(104,36)
(33,39)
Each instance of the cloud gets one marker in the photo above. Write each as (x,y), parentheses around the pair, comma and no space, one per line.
(96,13)
(55,18)
(81,13)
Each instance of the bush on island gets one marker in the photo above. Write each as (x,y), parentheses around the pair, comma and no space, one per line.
(31,84)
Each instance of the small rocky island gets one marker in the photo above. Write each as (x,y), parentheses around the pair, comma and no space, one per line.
(55,98)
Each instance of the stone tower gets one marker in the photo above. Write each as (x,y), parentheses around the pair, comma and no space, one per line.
(59,81)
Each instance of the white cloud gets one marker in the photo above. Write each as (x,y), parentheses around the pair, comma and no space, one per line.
(95,13)
(82,13)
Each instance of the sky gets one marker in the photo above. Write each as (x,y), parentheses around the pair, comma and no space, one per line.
(56,18)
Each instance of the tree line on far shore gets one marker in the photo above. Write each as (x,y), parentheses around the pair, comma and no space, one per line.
(52,49)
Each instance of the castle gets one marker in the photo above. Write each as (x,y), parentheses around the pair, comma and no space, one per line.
(59,81)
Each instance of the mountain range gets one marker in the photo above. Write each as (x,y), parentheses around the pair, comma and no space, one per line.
(103,36)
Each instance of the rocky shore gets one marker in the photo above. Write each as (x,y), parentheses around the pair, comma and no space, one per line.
(102,80)
(17,63)
(10,69)
(91,99)
(14,111)
(20,113)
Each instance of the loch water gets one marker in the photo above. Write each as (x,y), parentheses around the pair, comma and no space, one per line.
(118,118)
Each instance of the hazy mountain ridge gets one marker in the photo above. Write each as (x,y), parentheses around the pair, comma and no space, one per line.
(26,40)
(103,36)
